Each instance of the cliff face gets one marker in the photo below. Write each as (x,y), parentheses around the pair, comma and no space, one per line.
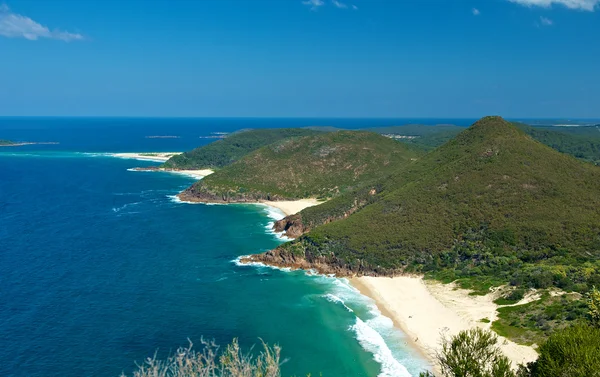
(199,194)
(327,265)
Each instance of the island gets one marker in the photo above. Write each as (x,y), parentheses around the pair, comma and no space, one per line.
(9,143)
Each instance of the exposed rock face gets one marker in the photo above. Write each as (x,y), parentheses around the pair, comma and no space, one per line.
(199,194)
(327,265)
(291,225)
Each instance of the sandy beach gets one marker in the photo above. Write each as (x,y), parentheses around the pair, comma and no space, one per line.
(149,156)
(292,207)
(427,310)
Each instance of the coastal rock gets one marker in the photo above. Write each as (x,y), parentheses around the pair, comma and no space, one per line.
(323,264)
(292,226)
(200,194)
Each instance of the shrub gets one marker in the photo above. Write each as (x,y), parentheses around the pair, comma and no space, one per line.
(572,352)
(472,353)
(209,362)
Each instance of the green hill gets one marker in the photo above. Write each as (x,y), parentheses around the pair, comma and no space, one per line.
(322,166)
(230,149)
(6,142)
(492,205)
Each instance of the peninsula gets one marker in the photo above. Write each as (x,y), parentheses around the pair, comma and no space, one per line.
(490,208)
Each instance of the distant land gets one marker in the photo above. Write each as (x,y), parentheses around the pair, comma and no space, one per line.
(163,137)
(9,143)
(318,166)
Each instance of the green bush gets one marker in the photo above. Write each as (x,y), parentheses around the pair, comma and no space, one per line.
(473,353)
(572,352)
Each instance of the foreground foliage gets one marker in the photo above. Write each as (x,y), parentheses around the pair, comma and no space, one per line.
(210,362)
(572,352)
(472,353)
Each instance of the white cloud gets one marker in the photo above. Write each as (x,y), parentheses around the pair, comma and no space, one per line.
(14,25)
(339,4)
(588,5)
(314,4)
(546,21)
(476,12)
(354,7)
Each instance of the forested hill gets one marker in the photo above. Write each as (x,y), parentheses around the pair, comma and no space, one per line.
(6,142)
(230,149)
(323,166)
(492,202)
(582,142)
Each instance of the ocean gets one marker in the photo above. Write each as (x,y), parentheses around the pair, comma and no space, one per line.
(100,267)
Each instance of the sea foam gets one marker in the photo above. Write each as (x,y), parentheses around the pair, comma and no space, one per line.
(374,332)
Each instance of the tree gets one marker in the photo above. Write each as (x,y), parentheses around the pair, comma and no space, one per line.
(472,353)
(571,352)
(593,302)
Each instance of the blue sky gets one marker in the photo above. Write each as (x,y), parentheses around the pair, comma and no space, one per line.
(300,58)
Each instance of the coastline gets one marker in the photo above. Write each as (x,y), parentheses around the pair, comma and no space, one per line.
(148,156)
(287,207)
(291,207)
(427,310)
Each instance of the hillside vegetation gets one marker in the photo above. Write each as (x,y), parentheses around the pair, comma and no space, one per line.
(583,142)
(322,166)
(491,207)
(230,149)
(492,202)
(6,142)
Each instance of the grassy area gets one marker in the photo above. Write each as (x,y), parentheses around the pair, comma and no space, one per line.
(533,322)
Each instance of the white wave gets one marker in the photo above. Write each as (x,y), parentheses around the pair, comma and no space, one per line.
(337,300)
(373,342)
(238,262)
(374,331)
(119,209)
(276,214)
(175,199)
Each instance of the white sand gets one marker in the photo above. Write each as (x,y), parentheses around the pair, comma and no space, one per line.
(427,310)
(149,156)
(293,206)
(197,174)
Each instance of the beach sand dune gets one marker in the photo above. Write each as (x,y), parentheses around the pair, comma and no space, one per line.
(427,311)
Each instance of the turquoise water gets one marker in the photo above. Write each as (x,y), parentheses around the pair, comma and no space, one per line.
(100,267)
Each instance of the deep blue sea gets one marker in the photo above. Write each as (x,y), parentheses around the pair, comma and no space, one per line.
(100,267)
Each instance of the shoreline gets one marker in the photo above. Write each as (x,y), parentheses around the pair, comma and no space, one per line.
(196,174)
(146,156)
(426,310)
(291,207)
(288,207)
